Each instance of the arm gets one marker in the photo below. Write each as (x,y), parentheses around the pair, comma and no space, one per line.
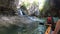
(57,27)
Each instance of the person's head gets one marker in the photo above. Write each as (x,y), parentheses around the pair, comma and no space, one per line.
(49,15)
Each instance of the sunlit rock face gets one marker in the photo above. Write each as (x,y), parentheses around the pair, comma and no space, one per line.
(33,10)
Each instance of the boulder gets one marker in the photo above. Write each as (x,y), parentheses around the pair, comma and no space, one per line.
(17,25)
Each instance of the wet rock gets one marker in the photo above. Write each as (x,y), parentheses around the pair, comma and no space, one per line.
(17,25)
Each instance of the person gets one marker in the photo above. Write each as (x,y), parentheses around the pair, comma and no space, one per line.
(57,28)
(50,22)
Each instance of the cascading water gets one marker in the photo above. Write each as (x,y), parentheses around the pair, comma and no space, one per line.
(20,12)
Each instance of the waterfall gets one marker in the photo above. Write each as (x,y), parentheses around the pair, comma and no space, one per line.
(20,12)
